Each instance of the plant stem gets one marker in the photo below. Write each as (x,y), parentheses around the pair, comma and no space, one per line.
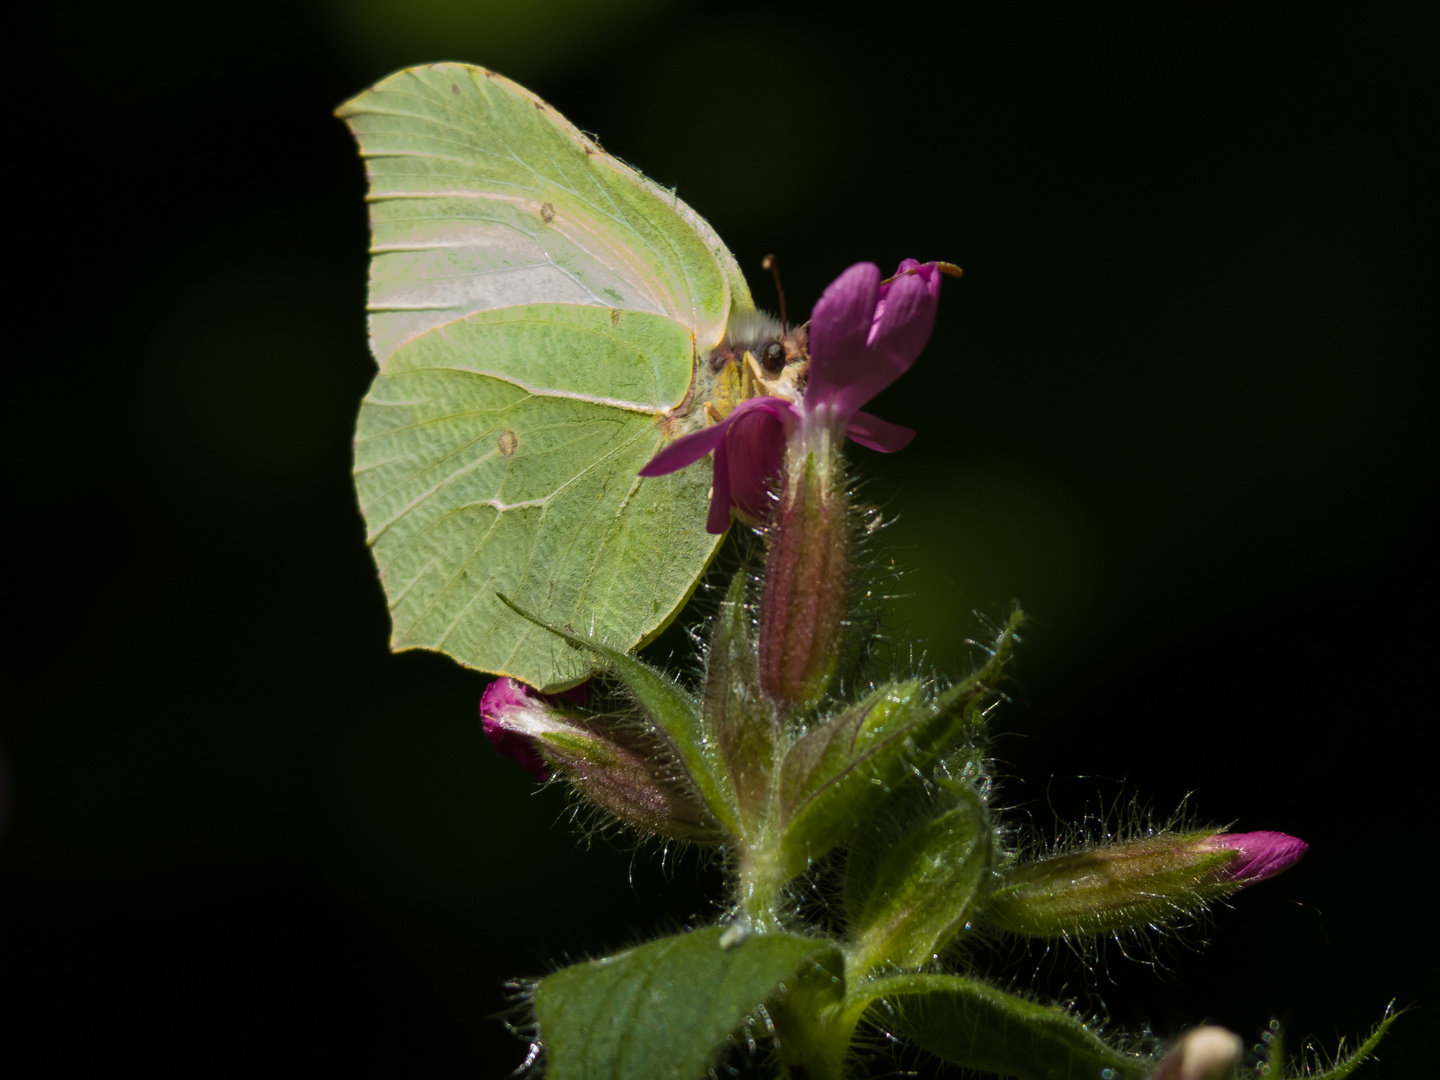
(814,1032)
(761,886)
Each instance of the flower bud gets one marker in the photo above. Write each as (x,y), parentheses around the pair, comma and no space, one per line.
(807,574)
(1137,883)
(1258,855)
(511,713)
(616,764)
(1204,1053)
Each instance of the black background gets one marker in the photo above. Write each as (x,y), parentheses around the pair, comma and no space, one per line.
(1182,405)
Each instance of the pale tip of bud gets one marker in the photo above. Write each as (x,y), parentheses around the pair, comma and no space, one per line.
(1204,1053)
(1259,855)
(503,701)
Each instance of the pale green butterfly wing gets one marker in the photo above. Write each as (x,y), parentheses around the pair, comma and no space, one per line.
(537,309)
(483,197)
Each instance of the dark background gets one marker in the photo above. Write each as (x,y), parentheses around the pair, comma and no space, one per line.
(1182,405)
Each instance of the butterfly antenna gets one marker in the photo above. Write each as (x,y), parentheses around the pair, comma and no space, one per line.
(771,263)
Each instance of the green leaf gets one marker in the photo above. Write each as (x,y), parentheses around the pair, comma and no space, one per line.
(737,715)
(543,317)
(974,693)
(841,772)
(664,1010)
(1343,1066)
(923,891)
(972,1024)
(844,769)
(671,711)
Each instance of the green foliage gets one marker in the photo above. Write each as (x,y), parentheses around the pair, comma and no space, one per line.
(663,1011)
(924,890)
(841,772)
(975,1025)
(1344,1064)
(845,768)
(737,716)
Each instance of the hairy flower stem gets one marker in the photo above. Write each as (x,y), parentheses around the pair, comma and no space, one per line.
(761,887)
(814,1032)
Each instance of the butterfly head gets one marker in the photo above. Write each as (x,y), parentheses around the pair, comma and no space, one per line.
(760,357)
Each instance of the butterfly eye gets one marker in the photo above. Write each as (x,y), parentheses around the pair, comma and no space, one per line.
(773,358)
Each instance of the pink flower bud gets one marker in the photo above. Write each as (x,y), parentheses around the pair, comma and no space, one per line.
(616,764)
(1135,883)
(1259,855)
(512,715)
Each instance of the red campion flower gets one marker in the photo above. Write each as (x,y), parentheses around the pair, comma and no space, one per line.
(864,334)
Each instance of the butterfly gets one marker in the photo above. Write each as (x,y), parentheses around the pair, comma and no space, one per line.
(545,320)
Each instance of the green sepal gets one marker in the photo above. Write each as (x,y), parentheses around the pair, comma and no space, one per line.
(923,891)
(1152,881)
(670,710)
(974,693)
(622,768)
(844,769)
(1342,1068)
(972,1024)
(737,716)
(664,1010)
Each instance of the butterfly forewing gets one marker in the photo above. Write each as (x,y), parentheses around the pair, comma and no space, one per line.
(483,197)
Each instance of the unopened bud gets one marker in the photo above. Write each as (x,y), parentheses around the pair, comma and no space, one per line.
(1136,883)
(807,575)
(1258,855)
(613,762)
(1204,1053)
(512,714)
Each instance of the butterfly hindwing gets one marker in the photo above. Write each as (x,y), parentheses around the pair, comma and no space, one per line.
(476,480)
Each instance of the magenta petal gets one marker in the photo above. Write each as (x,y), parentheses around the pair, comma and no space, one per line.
(927,272)
(1260,855)
(839,328)
(685,450)
(718,520)
(869,430)
(500,697)
(756,446)
(752,451)
(903,323)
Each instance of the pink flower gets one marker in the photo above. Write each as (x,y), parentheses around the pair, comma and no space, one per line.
(1260,855)
(513,715)
(864,334)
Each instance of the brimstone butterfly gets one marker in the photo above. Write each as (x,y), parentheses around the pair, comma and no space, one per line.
(545,319)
